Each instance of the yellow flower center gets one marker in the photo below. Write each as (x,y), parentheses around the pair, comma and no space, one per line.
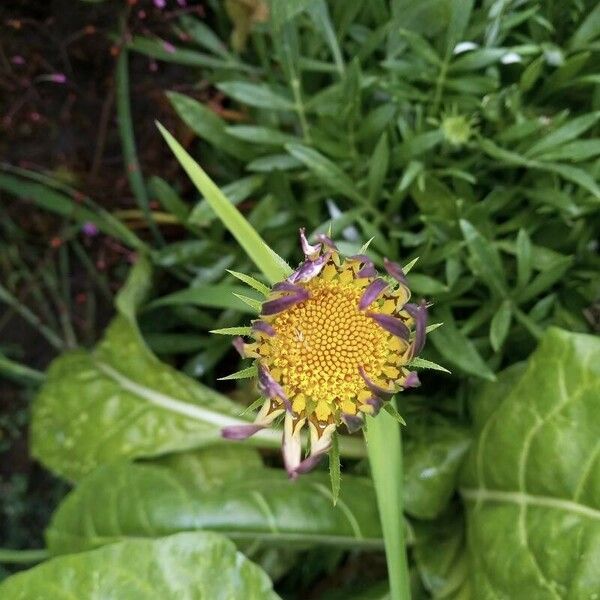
(320,343)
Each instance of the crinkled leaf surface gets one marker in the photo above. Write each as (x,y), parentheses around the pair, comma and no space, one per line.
(531,483)
(207,490)
(434,453)
(191,566)
(120,401)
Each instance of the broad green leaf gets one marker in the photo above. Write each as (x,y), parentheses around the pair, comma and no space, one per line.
(325,170)
(274,268)
(500,325)
(441,557)
(202,491)
(208,126)
(459,350)
(195,566)
(133,406)
(531,483)
(433,455)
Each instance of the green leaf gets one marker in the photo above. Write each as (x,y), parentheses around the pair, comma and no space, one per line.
(434,453)
(243,374)
(421,363)
(232,331)
(378,167)
(531,480)
(390,409)
(260,135)
(567,132)
(255,305)
(428,286)
(229,494)
(500,325)
(189,565)
(253,94)
(325,170)
(485,258)
(335,475)
(134,406)
(207,125)
(459,350)
(253,283)
(211,296)
(274,268)
(524,259)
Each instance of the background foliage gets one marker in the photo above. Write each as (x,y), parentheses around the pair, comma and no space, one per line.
(463,134)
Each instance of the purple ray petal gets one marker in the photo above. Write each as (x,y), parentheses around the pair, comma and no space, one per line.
(288,286)
(376,403)
(394,270)
(263,328)
(309,269)
(392,324)
(371,293)
(272,307)
(270,388)
(308,464)
(419,314)
(326,241)
(238,344)
(412,380)
(373,387)
(307,248)
(240,432)
(353,422)
(367,271)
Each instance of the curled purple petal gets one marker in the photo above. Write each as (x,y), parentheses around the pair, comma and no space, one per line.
(239,345)
(353,422)
(412,380)
(373,387)
(263,327)
(376,403)
(367,271)
(326,241)
(309,269)
(288,286)
(308,464)
(240,432)
(394,270)
(419,314)
(270,388)
(272,307)
(307,248)
(371,293)
(392,324)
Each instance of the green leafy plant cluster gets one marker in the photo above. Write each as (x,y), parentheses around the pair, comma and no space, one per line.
(463,135)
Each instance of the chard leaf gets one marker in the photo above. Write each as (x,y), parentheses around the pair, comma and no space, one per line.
(203,491)
(195,566)
(531,483)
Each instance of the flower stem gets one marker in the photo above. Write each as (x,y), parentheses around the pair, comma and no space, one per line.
(384,448)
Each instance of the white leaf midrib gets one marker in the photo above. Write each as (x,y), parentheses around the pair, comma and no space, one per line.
(523,499)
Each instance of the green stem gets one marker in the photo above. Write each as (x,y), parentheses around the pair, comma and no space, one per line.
(22,556)
(384,448)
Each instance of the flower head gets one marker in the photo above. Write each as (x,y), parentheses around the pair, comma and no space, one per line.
(332,345)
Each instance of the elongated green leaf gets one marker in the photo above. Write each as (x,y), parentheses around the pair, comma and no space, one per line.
(206,124)
(500,325)
(265,259)
(254,94)
(242,500)
(485,258)
(243,374)
(212,296)
(532,478)
(253,283)
(459,350)
(325,170)
(195,566)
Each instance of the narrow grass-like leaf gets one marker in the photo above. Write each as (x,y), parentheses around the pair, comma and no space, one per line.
(408,266)
(253,283)
(391,409)
(239,227)
(500,325)
(232,331)
(246,373)
(335,475)
(251,302)
(421,363)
